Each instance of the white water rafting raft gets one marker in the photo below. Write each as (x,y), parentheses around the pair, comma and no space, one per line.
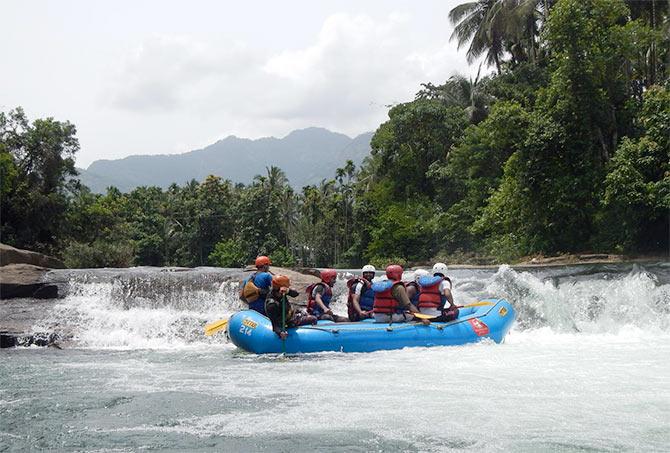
(251,331)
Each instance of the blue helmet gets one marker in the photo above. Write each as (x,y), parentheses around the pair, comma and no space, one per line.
(263,280)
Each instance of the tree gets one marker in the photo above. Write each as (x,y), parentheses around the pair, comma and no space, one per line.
(495,28)
(41,172)
(460,91)
(637,186)
(547,198)
(416,135)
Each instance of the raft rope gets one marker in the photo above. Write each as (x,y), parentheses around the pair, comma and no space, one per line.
(438,326)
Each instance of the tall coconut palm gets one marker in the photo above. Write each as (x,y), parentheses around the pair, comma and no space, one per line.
(276,179)
(494,27)
(462,92)
(482,24)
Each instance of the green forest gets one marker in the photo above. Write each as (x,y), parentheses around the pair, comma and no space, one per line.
(563,147)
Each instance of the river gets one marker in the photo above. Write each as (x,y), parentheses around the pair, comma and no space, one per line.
(585,368)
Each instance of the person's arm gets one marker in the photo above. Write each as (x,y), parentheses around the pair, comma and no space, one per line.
(400,294)
(319,302)
(411,291)
(446,291)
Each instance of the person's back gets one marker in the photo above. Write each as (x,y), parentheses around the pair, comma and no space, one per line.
(391,303)
(435,297)
(256,297)
(413,288)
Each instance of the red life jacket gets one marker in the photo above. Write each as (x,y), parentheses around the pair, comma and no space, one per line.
(385,302)
(325,297)
(430,296)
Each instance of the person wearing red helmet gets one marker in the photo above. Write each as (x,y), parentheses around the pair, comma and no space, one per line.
(263,263)
(276,303)
(319,296)
(391,301)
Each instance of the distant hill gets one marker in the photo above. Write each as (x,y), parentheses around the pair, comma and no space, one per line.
(307,156)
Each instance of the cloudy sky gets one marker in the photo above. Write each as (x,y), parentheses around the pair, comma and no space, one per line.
(149,77)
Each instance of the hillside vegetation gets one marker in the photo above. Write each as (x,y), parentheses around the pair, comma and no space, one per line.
(565,148)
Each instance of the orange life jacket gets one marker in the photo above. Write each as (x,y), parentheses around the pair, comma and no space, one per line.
(431,297)
(385,302)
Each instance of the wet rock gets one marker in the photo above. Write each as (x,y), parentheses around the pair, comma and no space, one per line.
(25,280)
(13,339)
(12,255)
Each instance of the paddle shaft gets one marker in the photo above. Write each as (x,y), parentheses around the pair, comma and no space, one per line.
(283,323)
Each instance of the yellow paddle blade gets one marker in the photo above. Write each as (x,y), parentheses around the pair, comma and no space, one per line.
(211,329)
(422,316)
(481,303)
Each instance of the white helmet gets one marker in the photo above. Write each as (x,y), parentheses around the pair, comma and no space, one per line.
(440,268)
(420,273)
(369,268)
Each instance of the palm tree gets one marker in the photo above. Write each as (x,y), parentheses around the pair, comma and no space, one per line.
(461,92)
(276,178)
(493,27)
(481,24)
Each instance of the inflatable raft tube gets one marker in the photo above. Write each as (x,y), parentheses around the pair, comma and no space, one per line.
(251,331)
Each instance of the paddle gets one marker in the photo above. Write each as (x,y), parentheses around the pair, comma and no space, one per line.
(476,304)
(283,323)
(211,329)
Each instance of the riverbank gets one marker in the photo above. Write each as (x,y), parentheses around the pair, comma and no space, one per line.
(467,261)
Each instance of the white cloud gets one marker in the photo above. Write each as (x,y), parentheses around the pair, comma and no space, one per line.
(355,67)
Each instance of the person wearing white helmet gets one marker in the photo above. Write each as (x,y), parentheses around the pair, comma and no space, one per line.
(361,297)
(435,297)
(413,288)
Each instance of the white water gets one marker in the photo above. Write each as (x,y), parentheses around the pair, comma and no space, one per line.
(113,315)
(585,368)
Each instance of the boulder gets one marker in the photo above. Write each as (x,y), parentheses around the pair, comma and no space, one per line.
(12,255)
(25,280)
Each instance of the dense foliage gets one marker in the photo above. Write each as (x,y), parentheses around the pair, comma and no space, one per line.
(565,148)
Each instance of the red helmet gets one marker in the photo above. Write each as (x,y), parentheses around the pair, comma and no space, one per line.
(394,272)
(263,261)
(328,275)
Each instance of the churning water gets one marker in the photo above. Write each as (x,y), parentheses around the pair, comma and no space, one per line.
(584,369)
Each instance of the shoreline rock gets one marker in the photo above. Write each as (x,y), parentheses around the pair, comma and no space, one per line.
(12,255)
(27,281)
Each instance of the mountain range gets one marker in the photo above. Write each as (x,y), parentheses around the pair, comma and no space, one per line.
(306,156)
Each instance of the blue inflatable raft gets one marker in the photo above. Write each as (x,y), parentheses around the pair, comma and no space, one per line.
(251,331)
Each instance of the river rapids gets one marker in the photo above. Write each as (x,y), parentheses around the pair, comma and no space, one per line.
(585,368)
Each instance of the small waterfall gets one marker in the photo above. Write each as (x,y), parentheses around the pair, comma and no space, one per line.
(167,308)
(596,304)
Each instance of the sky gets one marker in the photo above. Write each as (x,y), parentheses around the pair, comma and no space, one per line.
(163,77)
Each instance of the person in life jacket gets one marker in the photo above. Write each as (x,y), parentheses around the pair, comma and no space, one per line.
(435,298)
(391,302)
(255,290)
(319,296)
(361,296)
(277,302)
(250,292)
(413,287)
